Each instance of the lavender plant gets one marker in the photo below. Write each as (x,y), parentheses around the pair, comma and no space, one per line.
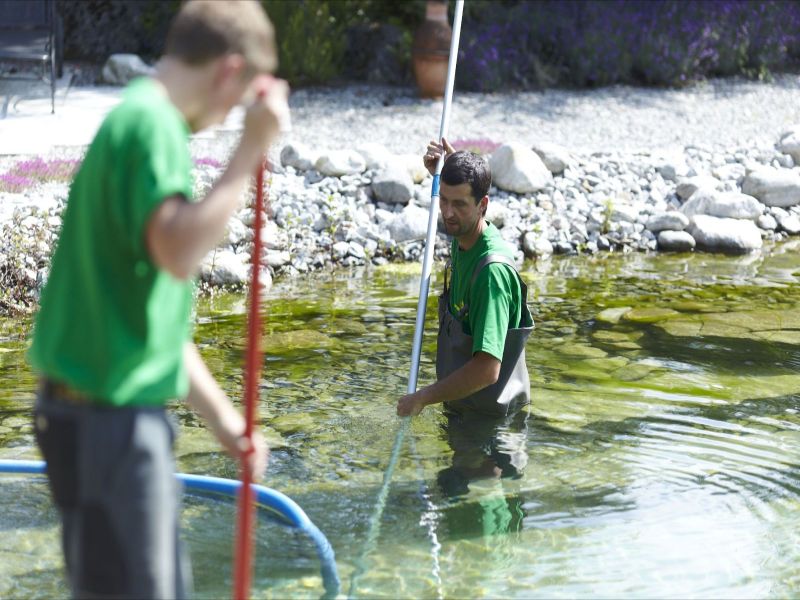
(593,42)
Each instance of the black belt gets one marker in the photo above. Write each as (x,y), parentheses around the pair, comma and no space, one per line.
(58,391)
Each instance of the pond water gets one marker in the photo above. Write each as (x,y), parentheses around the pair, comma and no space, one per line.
(662,440)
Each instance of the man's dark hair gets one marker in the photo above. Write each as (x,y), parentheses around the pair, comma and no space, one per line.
(468,167)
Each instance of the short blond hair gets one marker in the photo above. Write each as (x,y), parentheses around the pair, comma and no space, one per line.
(204,30)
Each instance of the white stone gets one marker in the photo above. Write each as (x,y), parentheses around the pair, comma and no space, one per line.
(393,185)
(497,214)
(376,156)
(298,156)
(624,213)
(224,267)
(556,158)
(733,171)
(410,224)
(767,222)
(236,232)
(278,258)
(357,250)
(536,244)
(790,224)
(122,68)
(725,235)
(790,144)
(774,187)
(667,221)
(516,168)
(341,249)
(722,204)
(675,241)
(340,162)
(414,165)
(689,186)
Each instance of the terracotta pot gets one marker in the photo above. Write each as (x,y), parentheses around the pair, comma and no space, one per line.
(431,50)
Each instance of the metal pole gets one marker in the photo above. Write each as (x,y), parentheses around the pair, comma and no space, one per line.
(433,213)
(424,286)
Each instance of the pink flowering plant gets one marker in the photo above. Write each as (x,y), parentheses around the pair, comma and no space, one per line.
(476,145)
(26,174)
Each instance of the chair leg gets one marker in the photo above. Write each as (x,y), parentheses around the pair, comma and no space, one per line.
(52,83)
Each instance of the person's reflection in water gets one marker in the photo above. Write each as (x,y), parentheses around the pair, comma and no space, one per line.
(484,447)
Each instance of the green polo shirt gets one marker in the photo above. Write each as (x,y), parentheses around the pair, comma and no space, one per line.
(111,324)
(494,302)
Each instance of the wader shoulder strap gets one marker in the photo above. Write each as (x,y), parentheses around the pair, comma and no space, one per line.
(487,260)
(498,258)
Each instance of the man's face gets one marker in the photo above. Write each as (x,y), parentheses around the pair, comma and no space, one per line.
(460,211)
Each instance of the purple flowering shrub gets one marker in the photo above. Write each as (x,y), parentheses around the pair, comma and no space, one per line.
(27,173)
(519,44)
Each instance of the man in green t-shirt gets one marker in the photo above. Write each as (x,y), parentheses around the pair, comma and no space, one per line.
(112,340)
(484,323)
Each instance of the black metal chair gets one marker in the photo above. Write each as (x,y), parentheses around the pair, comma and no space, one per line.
(31,31)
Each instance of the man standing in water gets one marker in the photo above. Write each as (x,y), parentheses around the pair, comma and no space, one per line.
(112,341)
(484,323)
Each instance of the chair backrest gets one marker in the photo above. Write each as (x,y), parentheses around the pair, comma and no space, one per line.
(30,14)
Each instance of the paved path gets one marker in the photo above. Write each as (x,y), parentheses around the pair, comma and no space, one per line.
(719,113)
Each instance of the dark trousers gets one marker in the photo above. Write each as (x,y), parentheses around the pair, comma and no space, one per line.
(111,473)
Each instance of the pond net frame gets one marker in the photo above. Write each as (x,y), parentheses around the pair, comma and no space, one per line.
(280,504)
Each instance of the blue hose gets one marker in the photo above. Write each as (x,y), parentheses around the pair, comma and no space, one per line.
(269,498)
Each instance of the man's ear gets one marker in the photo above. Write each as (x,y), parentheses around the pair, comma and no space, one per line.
(231,67)
(484,204)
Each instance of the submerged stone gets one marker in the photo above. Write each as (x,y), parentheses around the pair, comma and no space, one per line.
(581,351)
(650,315)
(294,340)
(293,422)
(612,315)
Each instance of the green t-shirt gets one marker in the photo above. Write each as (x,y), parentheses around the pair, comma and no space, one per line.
(495,301)
(111,324)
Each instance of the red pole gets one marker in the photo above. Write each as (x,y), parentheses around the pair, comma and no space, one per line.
(244,540)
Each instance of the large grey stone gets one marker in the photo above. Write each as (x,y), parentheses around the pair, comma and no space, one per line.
(675,241)
(410,224)
(340,162)
(516,168)
(735,236)
(393,185)
(774,187)
(298,156)
(689,186)
(667,221)
(122,68)
(722,204)
(556,158)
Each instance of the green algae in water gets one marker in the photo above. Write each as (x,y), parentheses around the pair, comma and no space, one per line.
(658,446)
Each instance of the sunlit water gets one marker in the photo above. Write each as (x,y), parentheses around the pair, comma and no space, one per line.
(662,443)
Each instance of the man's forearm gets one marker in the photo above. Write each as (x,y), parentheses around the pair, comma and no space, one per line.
(207,398)
(481,371)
